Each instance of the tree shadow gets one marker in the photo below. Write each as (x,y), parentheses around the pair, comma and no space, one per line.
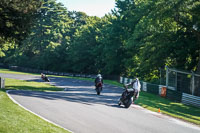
(79,91)
(88,97)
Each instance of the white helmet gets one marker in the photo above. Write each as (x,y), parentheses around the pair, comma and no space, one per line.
(99,75)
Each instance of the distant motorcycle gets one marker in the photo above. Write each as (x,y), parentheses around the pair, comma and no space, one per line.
(99,88)
(126,98)
(45,78)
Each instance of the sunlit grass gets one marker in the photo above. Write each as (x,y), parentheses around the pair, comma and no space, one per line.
(80,78)
(113,83)
(2,70)
(153,102)
(149,101)
(14,119)
(29,85)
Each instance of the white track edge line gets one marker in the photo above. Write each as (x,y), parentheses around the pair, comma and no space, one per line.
(170,118)
(7,92)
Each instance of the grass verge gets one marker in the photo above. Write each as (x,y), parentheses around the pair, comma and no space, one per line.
(15,119)
(2,70)
(178,110)
(88,79)
(149,101)
(29,85)
(154,102)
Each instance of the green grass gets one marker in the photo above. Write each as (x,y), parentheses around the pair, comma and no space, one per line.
(2,70)
(29,85)
(154,102)
(149,101)
(14,119)
(111,82)
(178,110)
(80,78)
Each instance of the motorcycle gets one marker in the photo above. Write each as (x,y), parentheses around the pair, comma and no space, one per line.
(45,78)
(126,98)
(99,88)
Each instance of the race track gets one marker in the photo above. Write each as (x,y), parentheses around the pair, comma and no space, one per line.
(80,110)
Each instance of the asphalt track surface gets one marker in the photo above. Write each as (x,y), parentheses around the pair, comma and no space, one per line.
(80,110)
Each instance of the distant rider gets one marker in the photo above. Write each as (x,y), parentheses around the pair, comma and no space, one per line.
(98,80)
(43,75)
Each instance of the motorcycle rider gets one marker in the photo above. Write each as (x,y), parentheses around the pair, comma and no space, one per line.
(98,79)
(43,75)
(135,86)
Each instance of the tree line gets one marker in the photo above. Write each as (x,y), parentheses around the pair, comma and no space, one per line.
(137,38)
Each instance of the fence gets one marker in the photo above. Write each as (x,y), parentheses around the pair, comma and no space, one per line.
(186,82)
(23,69)
(170,92)
(190,99)
(180,86)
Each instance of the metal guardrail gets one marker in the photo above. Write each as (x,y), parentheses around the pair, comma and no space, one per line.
(191,100)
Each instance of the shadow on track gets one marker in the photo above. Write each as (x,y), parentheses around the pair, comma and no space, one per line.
(78,91)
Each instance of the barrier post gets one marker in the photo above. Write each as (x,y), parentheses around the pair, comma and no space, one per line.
(2,83)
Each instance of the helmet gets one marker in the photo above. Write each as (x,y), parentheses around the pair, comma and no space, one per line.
(99,75)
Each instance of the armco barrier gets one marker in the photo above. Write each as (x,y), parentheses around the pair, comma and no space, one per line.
(191,100)
(121,80)
(144,86)
(124,80)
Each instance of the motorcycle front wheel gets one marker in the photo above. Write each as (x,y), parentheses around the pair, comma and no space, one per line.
(128,104)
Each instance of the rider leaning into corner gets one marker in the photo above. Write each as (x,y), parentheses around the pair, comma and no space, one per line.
(134,85)
(42,75)
(98,80)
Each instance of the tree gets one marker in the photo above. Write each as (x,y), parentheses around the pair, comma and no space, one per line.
(49,33)
(168,36)
(162,34)
(82,51)
(136,39)
(16,18)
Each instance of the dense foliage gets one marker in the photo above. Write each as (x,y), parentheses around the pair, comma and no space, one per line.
(137,39)
(16,16)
